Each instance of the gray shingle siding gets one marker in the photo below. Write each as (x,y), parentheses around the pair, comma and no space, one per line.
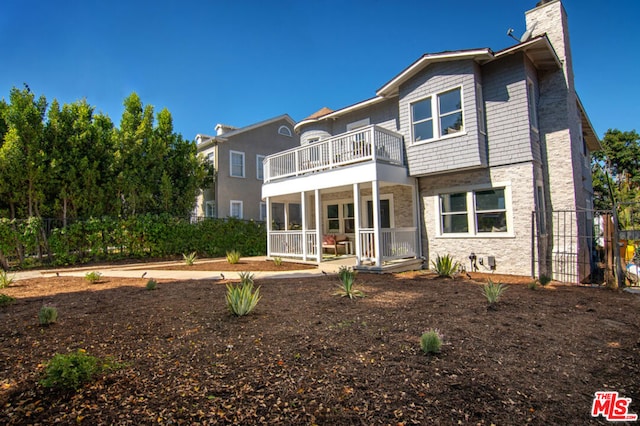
(506,104)
(457,152)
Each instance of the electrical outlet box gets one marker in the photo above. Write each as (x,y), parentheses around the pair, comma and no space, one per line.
(491,260)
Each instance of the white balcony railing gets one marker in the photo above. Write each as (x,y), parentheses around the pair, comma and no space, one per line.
(369,143)
(395,243)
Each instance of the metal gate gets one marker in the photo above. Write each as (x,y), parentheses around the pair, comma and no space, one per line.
(573,246)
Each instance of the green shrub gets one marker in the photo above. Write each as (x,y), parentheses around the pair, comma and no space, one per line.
(189,259)
(431,341)
(152,284)
(347,278)
(493,291)
(533,285)
(6,300)
(71,371)
(445,266)
(242,299)
(277,261)
(233,257)
(5,279)
(93,277)
(47,315)
(544,280)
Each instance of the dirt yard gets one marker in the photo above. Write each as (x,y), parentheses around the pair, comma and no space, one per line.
(306,356)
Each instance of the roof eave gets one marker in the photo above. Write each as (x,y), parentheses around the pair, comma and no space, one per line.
(539,50)
(589,133)
(391,88)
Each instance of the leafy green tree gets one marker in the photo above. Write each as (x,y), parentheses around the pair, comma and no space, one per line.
(22,154)
(616,169)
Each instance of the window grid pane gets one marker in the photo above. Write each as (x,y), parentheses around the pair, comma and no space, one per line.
(237,164)
(491,214)
(453,209)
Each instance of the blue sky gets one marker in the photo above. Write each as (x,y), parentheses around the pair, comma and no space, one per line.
(238,62)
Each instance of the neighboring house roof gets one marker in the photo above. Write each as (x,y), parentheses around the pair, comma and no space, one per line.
(204,141)
(321,112)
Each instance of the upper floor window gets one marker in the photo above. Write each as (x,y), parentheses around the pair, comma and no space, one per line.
(260,167)
(284,130)
(533,105)
(437,116)
(211,158)
(236,166)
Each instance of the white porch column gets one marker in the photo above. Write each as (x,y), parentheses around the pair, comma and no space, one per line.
(286,216)
(417,221)
(377,235)
(356,221)
(268,218)
(303,213)
(318,226)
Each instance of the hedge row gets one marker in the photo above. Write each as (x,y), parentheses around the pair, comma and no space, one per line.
(135,237)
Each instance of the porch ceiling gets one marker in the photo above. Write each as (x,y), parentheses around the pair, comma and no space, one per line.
(339,179)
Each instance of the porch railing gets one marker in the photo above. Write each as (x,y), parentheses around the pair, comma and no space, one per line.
(395,243)
(368,143)
(291,243)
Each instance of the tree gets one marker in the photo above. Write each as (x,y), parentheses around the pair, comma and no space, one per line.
(616,169)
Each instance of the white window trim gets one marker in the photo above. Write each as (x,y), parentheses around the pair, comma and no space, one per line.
(480,111)
(263,211)
(435,116)
(231,164)
(532,102)
(363,214)
(260,166)
(213,208)
(285,131)
(341,217)
(471,211)
(231,203)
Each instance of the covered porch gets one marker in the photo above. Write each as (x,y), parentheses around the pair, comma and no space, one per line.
(315,225)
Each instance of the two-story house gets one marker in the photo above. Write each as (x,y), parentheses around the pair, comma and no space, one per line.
(237,155)
(452,156)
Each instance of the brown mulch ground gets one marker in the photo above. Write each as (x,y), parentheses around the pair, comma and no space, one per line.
(305,356)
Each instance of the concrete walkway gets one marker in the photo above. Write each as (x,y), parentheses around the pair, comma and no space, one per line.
(154,270)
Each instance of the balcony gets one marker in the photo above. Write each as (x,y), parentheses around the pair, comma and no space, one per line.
(371,143)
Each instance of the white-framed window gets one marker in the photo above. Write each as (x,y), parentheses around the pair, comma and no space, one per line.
(437,116)
(313,140)
(339,217)
(482,125)
(236,164)
(284,130)
(211,158)
(235,209)
(260,167)
(533,104)
(210,209)
(479,212)
(263,211)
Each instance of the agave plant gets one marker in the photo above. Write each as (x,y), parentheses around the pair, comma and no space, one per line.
(233,257)
(347,278)
(241,299)
(5,279)
(493,291)
(190,259)
(445,266)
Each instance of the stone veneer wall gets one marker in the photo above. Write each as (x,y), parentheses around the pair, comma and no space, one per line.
(512,252)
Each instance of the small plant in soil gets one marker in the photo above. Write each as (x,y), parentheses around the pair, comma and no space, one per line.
(431,342)
(6,300)
(233,257)
(241,298)
(190,259)
(47,315)
(277,261)
(347,278)
(5,279)
(93,277)
(152,284)
(533,285)
(445,266)
(544,280)
(493,292)
(71,371)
